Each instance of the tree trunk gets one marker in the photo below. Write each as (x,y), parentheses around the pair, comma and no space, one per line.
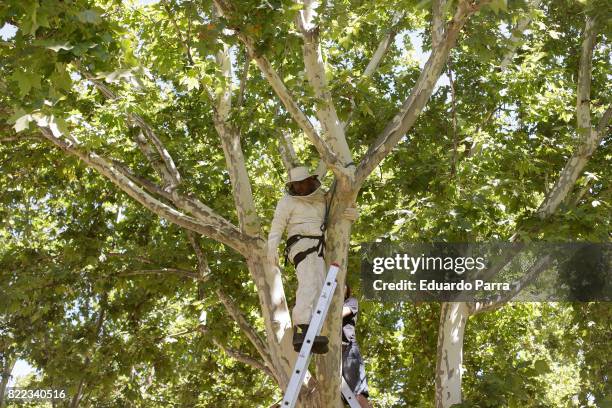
(449,358)
(7,369)
(279,332)
(336,250)
(76,400)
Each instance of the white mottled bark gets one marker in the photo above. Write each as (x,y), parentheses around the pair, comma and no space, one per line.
(448,376)
(437,22)
(377,57)
(147,140)
(588,138)
(234,158)
(383,46)
(491,304)
(8,364)
(336,250)
(333,130)
(449,358)
(323,148)
(286,150)
(207,223)
(278,354)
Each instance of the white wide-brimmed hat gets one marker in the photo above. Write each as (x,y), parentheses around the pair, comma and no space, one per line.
(298,174)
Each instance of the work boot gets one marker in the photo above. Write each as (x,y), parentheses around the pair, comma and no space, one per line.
(320,342)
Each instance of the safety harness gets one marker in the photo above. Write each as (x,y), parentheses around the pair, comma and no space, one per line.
(320,247)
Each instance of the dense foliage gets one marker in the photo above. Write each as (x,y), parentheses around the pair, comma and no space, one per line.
(99,293)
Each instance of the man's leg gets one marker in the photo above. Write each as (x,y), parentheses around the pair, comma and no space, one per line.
(311,276)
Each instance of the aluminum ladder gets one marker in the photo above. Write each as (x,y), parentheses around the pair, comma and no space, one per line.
(314,329)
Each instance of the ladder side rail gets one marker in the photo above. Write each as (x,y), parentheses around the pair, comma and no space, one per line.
(348,395)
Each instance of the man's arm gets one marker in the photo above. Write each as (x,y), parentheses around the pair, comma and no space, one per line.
(279,223)
(350,307)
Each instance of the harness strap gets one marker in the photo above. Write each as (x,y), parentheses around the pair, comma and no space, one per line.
(300,256)
(295,238)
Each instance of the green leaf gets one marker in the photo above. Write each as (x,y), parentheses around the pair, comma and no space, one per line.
(26,81)
(58,126)
(61,78)
(497,5)
(296,6)
(423,4)
(89,17)
(193,83)
(541,366)
(30,22)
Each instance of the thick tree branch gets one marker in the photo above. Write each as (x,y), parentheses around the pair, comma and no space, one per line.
(183,201)
(157,155)
(333,160)
(315,72)
(589,138)
(572,170)
(286,150)
(497,301)
(583,93)
(230,140)
(230,306)
(419,96)
(517,35)
(377,57)
(437,22)
(245,326)
(383,45)
(207,224)
(285,143)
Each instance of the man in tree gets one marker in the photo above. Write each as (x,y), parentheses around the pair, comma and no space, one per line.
(303,212)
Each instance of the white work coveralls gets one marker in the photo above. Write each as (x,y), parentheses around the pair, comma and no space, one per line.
(302,215)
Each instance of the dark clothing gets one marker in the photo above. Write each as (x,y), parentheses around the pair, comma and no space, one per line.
(349,322)
(353,367)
